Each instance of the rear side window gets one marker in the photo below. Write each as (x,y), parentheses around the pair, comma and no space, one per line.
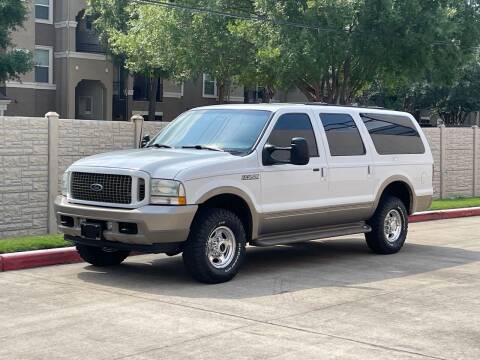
(342,134)
(289,126)
(393,134)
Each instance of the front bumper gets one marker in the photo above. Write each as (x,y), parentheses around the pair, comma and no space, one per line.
(155,224)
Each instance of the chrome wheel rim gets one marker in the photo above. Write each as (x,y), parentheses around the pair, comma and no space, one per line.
(221,247)
(393,226)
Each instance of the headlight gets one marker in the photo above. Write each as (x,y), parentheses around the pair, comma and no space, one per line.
(167,192)
(65,183)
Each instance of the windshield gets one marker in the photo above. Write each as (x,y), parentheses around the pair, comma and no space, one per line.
(229,130)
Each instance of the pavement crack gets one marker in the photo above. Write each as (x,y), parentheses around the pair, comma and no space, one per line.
(206,336)
(313,332)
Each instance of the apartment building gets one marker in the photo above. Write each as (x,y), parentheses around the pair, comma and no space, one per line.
(74,77)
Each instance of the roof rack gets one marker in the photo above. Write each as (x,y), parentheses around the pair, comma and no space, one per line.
(349,106)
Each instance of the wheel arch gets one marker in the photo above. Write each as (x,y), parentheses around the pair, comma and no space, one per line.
(398,186)
(236,200)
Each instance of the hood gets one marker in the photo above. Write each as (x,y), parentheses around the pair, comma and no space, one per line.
(159,163)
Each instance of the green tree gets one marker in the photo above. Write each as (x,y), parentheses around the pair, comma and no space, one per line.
(13,62)
(188,42)
(215,48)
(120,27)
(452,102)
(346,45)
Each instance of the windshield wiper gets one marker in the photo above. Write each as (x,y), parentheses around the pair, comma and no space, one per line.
(202,147)
(160,146)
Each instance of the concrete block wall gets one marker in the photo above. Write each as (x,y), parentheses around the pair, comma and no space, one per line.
(476,163)
(23,176)
(34,153)
(152,128)
(458,173)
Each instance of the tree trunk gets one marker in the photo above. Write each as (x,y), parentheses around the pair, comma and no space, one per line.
(152,97)
(268,93)
(221,92)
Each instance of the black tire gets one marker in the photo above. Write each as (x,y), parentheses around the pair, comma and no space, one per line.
(377,240)
(195,255)
(97,256)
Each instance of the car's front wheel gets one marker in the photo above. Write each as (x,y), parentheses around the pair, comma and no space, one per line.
(98,256)
(215,248)
(389,226)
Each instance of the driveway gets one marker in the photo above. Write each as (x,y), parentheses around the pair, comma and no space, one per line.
(319,300)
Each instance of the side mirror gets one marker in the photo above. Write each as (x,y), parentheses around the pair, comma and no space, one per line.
(299,155)
(145,141)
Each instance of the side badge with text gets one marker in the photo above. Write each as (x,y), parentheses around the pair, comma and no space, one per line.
(251,177)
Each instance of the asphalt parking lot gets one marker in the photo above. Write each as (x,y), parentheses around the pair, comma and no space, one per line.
(320,300)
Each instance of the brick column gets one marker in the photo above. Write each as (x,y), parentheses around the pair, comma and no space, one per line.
(52,118)
(443,161)
(476,160)
(138,130)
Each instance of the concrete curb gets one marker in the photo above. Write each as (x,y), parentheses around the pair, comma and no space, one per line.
(37,258)
(444,214)
(69,255)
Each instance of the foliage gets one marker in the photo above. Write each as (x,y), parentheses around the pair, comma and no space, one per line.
(332,50)
(120,25)
(452,103)
(346,45)
(215,48)
(13,62)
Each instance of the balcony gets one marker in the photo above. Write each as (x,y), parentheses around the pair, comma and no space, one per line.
(86,39)
(89,47)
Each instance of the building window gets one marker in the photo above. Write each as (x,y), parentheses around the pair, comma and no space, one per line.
(209,86)
(44,11)
(43,64)
(141,89)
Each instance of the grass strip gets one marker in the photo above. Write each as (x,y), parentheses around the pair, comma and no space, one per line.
(27,243)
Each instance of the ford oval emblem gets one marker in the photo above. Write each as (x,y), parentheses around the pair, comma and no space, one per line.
(96,187)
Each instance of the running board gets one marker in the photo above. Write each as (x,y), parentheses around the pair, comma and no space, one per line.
(291,237)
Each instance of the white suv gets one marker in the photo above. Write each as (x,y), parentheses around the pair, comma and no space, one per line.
(221,177)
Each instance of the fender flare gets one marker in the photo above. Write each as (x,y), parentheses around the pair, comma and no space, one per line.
(230,190)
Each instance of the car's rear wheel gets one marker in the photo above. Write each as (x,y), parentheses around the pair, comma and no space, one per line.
(389,226)
(99,256)
(215,248)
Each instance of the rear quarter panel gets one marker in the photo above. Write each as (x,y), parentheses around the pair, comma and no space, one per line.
(413,169)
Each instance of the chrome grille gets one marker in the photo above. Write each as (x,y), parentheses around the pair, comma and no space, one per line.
(106,188)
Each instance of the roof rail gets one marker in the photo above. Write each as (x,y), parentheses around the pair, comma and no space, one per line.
(350,106)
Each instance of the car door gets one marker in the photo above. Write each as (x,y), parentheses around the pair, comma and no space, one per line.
(290,193)
(350,178)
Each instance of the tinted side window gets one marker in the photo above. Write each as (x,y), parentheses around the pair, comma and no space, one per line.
(393,134)
(289,126)
(342,134)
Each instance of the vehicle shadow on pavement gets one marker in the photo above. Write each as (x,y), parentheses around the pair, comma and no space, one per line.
(275,270)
